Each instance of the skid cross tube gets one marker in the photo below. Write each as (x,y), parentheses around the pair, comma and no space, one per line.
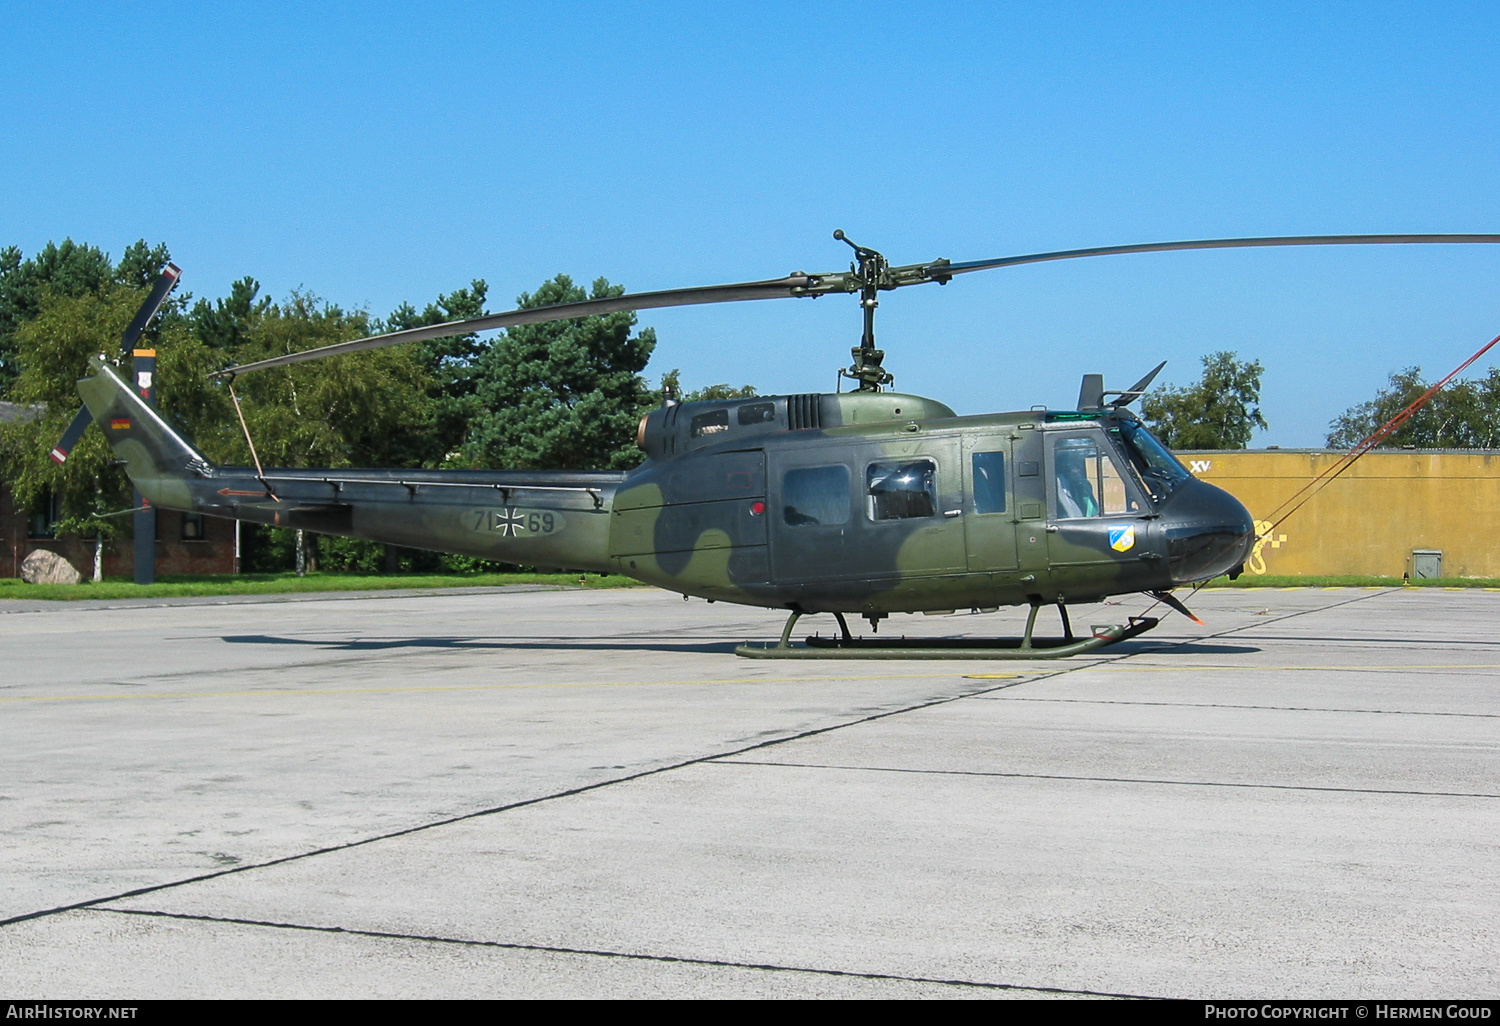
(1026,647)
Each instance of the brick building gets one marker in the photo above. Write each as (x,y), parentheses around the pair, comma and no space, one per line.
(186,543)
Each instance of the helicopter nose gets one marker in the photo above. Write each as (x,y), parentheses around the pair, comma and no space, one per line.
(1208,531)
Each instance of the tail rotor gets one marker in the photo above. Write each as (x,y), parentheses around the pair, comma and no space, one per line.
(165,283)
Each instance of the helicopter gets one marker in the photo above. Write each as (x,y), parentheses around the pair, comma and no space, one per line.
(865,502)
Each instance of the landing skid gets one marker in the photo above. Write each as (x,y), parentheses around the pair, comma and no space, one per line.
(845,646)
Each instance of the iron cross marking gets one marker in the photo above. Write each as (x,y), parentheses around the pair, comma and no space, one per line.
(510,522)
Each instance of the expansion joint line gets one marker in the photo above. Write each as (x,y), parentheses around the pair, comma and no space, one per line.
(508,807)
(627,955)
(1264,623)
(995,774)
(599,785)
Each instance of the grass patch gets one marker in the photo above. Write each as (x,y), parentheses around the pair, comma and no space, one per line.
(289,583)
(1351,581)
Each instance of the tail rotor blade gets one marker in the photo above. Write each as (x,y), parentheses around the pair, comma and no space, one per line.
(71,436)
(165,283)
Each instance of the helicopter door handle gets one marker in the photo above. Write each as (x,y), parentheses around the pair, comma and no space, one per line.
(1051,528)
(952,512)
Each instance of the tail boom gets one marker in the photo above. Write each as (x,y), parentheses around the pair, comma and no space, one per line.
(540,518)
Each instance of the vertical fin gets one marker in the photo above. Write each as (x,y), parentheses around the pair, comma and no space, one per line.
(160,462)
(1091,392)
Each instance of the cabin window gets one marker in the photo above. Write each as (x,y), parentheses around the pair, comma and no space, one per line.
(710,423)
(815,495)
(192,527)
(1088,482)
(902,490)
(757,413)
(989,482)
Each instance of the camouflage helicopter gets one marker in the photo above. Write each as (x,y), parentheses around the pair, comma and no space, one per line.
(866,502)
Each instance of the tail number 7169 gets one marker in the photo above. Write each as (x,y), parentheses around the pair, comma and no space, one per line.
(513,521)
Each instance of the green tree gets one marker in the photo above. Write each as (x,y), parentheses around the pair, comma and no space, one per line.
(450,363)
(1464,415)
(226,323)
(54,348)
(563,394)
(671,388)
(70,269)
(1219,412)
(139,267)
(362,409)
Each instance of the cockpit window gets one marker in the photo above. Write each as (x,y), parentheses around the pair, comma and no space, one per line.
(1160,472)
(1089,484)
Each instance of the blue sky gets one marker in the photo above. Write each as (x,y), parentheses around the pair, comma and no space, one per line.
(380,153)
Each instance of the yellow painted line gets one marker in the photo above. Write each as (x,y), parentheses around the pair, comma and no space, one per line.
(1184,669)
(992,676)
(460,687)
(18,630)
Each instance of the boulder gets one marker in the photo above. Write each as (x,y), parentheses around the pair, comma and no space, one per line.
(44,567)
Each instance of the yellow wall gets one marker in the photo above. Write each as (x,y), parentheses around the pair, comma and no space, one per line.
(1370,518)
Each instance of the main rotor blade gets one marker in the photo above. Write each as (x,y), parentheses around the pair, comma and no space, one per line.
(1138,389)
(1163,247)
(803,285)
(779,288)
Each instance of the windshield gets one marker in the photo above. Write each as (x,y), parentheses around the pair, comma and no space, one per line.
(1159,470)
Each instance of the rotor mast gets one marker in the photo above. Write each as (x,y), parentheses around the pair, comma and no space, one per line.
(870,271)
